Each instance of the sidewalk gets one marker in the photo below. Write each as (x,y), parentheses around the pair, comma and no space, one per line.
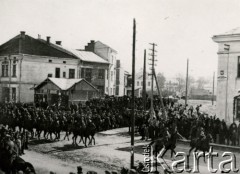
(220,147)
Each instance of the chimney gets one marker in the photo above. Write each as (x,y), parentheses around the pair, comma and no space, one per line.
(59,42)
(90,46)
(48,39)
(39,36)
(22,34)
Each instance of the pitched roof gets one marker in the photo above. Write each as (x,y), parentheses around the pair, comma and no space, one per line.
(41,47)
(32,46)
(89,56)
(65,84)
(106,46)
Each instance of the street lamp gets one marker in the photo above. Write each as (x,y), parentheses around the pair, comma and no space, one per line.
(227,48)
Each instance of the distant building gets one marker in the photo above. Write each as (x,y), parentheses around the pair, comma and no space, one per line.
(120,79)
(26,62)
(110,55)
(139,82)
(228,75)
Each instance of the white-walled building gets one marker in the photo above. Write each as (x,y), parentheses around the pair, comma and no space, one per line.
(228,75)
(26,62)
(139,81)
(110,55)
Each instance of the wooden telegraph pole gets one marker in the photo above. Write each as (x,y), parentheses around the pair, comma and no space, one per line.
(133,90)
(152,69)
(186,91)
(144,82)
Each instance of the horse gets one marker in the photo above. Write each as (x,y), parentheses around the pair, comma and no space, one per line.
(203,145)
(78,130)
(90,132)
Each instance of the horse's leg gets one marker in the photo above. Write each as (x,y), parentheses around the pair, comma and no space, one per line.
(165,150)
(204,156)
(85,141)
(172,151)
(93,139)
(73,139)
(90,140)
(81,138)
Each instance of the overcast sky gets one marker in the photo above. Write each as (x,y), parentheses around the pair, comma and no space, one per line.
(181,28)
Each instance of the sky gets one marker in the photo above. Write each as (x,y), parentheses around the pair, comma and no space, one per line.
(182,29)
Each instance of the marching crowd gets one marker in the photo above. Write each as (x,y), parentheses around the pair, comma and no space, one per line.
(104,114)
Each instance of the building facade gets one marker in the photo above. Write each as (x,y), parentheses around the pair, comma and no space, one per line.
(26,61)
(228,75)
(110,55)
(139,82)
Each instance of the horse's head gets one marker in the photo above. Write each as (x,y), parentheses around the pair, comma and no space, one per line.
(209,138)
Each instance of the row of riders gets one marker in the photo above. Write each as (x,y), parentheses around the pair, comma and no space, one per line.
(111,112)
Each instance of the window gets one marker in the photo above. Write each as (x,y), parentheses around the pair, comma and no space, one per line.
(14,94)
(49,75)
(82,73)
(149,83)
(5,68)
(111,91)
(101,74)
(111,75)
(137,83)
(106,89)
(14,67)
(50,61)
(107,74)
(141,83)
(64,74)
(71,73)
(88,74)
(64,61)
(101,90)
(238,74)
(57,72)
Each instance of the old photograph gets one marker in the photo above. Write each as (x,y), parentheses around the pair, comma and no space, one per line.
(119,86)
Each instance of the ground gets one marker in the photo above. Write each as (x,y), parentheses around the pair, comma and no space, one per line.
(111,152)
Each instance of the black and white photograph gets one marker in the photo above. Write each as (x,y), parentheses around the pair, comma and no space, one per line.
(119,86)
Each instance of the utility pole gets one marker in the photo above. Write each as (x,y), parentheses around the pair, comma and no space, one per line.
(160,95)
(186,91)
(133,97)
(227,48)
(144,82)
(213,88)
(152,69)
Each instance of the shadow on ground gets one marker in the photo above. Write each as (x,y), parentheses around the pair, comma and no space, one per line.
(137,149)
(41,141)
(69,147)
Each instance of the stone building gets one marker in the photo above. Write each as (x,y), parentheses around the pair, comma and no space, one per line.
(27,61)
(228,75)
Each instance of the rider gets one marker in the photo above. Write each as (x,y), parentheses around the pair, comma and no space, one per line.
(201,135)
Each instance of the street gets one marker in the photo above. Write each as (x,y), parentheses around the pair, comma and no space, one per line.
(111,152)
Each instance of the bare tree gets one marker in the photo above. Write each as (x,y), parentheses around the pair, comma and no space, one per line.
(161,80)
(181,82)
(201,82)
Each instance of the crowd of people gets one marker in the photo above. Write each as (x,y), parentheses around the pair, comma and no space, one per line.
(21,122)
